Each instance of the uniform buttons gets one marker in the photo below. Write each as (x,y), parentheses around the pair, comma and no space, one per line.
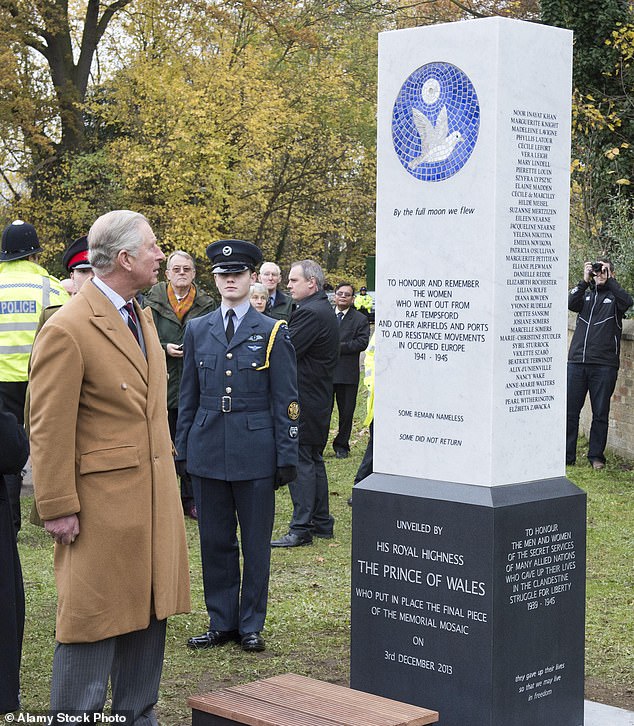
(228,389)
(229,356)
(228,373)
(200,363)
(254,365)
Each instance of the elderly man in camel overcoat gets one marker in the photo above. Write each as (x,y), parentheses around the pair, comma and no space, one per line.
(106,486)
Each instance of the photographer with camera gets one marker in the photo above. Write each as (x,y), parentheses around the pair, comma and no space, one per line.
(593,358)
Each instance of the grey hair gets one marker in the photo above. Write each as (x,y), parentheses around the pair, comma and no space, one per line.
(112,232)
(311,269)
(258,287)
(273,264)
(181,253)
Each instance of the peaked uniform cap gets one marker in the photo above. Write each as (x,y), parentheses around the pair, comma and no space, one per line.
(19,239)
(233,255)
(76,255)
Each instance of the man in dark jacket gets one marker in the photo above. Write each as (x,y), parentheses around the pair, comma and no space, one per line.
(173,303)
(354,336)
(314,333)
(594,355)
(279,306)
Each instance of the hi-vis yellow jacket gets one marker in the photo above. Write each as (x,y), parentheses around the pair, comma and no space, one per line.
(25,290)
(368,379)
(363,302)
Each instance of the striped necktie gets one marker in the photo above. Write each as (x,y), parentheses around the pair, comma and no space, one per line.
(132,321)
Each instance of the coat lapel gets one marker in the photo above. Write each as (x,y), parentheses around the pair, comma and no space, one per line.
(108,320)
(217,327)
(156,365)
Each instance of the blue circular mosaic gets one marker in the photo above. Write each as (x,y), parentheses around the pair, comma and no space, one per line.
(435,121)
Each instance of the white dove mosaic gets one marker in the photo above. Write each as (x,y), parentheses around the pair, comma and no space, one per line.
(435,121)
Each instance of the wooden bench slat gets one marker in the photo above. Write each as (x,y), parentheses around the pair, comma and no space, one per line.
(342,714)
(335,693)
(250,711)
(343,706)
(289,700)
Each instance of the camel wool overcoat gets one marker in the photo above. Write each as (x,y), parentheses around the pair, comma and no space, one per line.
(101,449)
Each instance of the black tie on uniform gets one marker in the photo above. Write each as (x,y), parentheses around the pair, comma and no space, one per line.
(229,330)
(132,321)
(340,316)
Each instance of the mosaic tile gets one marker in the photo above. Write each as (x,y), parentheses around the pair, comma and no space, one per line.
(435,121)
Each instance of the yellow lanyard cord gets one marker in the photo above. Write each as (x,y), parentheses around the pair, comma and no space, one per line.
(269,347)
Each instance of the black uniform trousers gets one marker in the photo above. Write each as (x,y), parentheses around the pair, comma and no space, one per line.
(12,605)
(600,382)
(221,506)
(13,397)
(345,394)
(309,492)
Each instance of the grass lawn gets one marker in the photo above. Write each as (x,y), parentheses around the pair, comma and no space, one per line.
(307,629)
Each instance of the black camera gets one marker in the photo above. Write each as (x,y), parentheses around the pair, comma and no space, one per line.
(597,268)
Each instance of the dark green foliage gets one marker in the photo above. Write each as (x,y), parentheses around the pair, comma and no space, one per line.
(592,22)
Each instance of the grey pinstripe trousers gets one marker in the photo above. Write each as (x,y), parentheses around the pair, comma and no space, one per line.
(133,662)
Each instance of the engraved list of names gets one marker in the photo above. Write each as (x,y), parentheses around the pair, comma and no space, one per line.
(530,265)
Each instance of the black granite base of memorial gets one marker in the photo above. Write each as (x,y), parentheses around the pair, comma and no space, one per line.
(470,600)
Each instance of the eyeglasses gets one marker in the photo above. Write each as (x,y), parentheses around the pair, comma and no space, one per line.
(177,269)
(343,294)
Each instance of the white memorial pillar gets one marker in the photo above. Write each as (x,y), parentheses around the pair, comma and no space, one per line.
(472,251)
(467,540)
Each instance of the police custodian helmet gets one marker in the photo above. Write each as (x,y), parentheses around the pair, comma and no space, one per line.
(233,255)
(19,239)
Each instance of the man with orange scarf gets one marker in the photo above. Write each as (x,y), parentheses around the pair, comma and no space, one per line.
(173,303)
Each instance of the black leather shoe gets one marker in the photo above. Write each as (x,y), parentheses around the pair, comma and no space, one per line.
(291,540)
(213,638)
(350,502)
(323,535)
(341,454)
(252,642)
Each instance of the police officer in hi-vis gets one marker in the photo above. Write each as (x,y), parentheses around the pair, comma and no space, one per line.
(26,289)
(237,437)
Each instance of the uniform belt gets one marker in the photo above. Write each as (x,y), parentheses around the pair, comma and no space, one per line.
(227,404)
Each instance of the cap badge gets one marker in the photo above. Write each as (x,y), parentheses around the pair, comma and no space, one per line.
(226,250)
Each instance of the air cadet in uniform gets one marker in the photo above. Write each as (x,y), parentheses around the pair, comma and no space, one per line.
(237,437)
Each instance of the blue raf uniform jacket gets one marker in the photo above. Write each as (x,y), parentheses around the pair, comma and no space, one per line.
(237,416)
